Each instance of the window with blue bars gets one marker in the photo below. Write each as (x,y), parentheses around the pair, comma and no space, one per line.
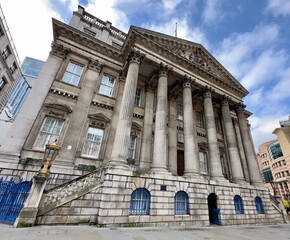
(140,202)
(181,203)
(259,205)
(239,205)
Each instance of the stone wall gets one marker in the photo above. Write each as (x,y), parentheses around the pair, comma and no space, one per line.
(109,204)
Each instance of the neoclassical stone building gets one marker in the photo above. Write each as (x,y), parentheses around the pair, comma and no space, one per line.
(153,131)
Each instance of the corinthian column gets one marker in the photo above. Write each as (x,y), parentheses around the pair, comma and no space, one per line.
(122,137)
(160,134)
(237,170)
(191,163)
(253,168)
(214,153)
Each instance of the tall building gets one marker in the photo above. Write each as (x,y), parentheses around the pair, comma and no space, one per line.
(30,69)
(153,131)
(9,64)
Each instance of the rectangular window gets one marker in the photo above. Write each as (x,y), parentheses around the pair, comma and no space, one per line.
(179,111)
(6,52)
(49,132)
(199,119)
(1,32)
(13,68)
(2,83)
(132,146)
(73,74)
(93,142)
(202,162)
(107,85)
(137,102)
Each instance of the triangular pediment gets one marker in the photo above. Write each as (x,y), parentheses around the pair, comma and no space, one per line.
(189,54)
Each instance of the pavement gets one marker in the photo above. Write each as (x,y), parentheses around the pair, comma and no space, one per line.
(80,232)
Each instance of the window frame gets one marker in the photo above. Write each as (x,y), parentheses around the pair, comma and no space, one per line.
(181,203)
(13,68)
(203,163)
(103,86)
(140,202)
(35,146)
(239,205)
(259,205)
(199,119)
(83,153)
(71,74)
(3,83)
(133,149)
(6,52)
(179,111)
(138,97)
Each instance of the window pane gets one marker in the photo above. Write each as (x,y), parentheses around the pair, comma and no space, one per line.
(49,132)
(107,85)
(137,102)
(73,74)
(93,142)
(132,145)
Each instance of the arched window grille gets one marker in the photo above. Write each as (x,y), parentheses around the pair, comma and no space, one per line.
(181,204)
(239,206)
(259,205)
(140,202)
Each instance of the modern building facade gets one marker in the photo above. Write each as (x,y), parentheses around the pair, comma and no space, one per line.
(274,161)
(30,69)
(153,131)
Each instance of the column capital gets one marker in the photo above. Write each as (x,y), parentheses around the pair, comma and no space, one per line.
(187,81)
(163,70)
(95,65)
(225,100)
(135,56)
(240,107)
(207,92)
(59,50)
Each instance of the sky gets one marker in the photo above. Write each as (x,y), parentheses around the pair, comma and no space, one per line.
(249,38)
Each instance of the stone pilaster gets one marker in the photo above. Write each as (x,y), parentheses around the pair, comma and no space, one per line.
(172,136)
(234,156)
(122,136)
(160,134)
(191,163)
(145,158)
(80,114)
(254,173)
(214,153)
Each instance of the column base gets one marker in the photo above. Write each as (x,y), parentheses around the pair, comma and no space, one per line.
(160,170)
(26,218)
(118,164)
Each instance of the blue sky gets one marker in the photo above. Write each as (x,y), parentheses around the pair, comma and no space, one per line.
(249,37)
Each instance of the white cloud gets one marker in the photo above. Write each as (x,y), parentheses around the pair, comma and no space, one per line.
(183,30)
(279,7)
(212,11)
(26,23)
(170,4)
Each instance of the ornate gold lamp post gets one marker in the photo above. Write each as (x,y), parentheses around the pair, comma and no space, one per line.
(28,213)
(51,151)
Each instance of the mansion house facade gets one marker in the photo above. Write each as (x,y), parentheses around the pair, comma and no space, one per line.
(153,131)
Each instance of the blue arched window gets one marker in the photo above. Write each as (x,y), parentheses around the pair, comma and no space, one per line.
(239,206)
(181,205)
(140,202)
(259,205)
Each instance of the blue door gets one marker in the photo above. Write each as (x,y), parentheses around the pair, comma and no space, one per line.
(12,198)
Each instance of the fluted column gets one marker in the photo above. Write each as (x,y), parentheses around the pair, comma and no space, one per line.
(172,136)
(214,153)
(254,172)
(122,137)
(160,134)
(191,163)
(236,165)
(145,158)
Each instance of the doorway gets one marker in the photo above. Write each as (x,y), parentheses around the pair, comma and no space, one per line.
(213,210)
(180,162)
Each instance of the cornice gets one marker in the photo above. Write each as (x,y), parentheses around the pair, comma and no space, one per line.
(64,93)
(67,32)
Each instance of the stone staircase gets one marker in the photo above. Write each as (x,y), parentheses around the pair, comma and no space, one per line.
(68,191)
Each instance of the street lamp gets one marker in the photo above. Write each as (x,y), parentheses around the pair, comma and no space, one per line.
(51,151)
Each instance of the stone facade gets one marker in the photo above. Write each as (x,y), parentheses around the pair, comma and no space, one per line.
(138,113)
